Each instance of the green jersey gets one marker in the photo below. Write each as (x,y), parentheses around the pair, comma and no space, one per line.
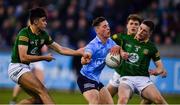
(140,55)
(33,41)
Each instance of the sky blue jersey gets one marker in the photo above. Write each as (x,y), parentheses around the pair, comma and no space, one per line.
(99,51)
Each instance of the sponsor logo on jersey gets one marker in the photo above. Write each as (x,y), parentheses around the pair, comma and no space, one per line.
(133,57)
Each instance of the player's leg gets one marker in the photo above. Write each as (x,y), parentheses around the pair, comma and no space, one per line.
(124,93)
(16,91)
(35,99)
(92,96)
(125,90)
(29,101)
(89,89)
(113,84)
(105,96)
(112,90)
(37,69)
(145,102)
(39,74)
(29,80)
(151,93)
(141,82)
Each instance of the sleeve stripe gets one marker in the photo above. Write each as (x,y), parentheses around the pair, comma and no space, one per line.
(23,38)
(157,54)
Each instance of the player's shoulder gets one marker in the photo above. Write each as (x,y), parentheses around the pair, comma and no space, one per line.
(44,32)
(23,33)
(24,30)
(94,43)
(151,44)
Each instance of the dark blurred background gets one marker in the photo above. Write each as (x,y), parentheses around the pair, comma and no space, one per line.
(70,20)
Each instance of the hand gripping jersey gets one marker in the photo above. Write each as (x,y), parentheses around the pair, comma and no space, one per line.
(33,41)
(140,55)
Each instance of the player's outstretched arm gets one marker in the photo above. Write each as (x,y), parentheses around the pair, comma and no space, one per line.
(159,69)
(64,50)
(25,58)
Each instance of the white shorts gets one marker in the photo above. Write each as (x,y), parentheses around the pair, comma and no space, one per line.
(15,70)
(115,80)
(38,65)
(137,83)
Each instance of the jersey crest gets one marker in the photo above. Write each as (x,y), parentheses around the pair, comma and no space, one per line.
(146,51)
(133,57)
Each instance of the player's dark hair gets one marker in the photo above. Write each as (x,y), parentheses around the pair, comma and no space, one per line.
(150,24)
(135,17)
(36,13)
(97,21)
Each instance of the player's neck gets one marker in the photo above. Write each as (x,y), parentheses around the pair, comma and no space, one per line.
(129,33)
(141,40)
(34,29)
(103,39)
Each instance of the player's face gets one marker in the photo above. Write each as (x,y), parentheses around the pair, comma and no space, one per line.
(103,29)
(42,23)
(143,32)
(132,27)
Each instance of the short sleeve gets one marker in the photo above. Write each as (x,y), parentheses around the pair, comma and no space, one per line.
(23,38)
(156,55)
(90,48)
(48,39)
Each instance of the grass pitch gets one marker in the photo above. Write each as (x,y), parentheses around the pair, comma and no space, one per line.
(66,97)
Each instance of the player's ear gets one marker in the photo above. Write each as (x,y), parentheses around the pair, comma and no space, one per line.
(36,21)
(96,30)
(150,33)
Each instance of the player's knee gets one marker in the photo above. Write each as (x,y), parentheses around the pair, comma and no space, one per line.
(123,99)
(159,100)
(95,100)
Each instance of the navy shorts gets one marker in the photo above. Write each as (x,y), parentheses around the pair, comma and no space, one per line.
(86,84)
